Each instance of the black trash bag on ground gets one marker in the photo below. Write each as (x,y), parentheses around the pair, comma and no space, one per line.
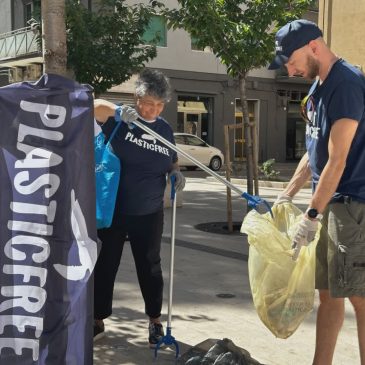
(228,358)
(223,352)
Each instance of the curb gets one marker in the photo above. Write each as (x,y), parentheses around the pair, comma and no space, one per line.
(262,183)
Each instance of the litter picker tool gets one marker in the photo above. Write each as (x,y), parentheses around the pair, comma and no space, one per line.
(168,339)
(253,200)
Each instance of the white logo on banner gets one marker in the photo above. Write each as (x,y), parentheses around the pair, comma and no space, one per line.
(87,248)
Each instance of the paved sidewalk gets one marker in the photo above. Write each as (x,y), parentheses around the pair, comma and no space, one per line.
(206,265)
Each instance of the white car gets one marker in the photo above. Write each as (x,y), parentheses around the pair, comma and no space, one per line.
(200,150)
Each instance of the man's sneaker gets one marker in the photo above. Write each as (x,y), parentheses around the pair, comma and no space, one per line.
(155,331)
(99,330)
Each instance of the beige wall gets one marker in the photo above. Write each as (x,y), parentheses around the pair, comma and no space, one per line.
(178,54)
(343,25)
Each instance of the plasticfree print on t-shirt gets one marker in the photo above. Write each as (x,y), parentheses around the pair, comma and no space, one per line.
(144,163)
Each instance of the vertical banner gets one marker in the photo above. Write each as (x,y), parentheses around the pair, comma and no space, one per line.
(48,243)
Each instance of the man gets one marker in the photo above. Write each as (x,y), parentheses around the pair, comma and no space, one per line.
(335,159)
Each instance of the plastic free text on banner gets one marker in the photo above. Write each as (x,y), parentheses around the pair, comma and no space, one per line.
(48,244)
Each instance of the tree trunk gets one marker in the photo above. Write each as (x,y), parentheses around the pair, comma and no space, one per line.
(247,134)
(54,37)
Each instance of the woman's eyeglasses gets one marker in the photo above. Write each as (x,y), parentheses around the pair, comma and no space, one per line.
(307,108)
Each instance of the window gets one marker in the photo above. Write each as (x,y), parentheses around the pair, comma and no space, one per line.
(195,116)
(28,11)
(156,29)
(194,141)
(239,137)
(194,45)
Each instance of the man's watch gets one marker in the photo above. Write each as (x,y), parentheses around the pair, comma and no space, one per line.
(312,213)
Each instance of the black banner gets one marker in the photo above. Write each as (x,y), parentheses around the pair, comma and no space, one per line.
(48,238)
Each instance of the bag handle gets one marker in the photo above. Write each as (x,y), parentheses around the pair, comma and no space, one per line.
(115,131)
(118,121)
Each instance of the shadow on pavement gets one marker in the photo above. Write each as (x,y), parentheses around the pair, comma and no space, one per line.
(125,340)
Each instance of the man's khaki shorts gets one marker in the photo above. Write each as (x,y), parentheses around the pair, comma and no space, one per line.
(340,264)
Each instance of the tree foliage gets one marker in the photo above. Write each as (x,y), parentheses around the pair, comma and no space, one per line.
(239,32)
(105,47)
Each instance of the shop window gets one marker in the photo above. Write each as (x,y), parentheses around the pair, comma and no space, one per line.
(195,116)
(295,133)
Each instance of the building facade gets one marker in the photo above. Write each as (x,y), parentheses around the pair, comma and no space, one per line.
(342,23)
(204,97)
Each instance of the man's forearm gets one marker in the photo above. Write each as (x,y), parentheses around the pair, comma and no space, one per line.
(300,177)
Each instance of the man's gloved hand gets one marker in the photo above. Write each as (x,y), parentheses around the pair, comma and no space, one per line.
(283,198)
(126,114)
(304,234)
(179,179)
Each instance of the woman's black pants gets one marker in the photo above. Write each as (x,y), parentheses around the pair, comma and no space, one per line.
(144,233)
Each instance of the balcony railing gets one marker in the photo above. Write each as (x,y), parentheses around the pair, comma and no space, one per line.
(20,42)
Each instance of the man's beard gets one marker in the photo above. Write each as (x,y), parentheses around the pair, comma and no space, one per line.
(313,68)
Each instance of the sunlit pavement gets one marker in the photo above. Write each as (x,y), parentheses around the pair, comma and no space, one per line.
(207,265)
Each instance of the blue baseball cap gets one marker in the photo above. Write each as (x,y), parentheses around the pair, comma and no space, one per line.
(291,37)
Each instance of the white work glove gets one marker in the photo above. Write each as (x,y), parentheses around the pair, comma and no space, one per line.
(179,179)
(283,198)
(304,234)
(126,114)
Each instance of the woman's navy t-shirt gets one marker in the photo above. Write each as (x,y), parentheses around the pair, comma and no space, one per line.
(341,95)
(144,164)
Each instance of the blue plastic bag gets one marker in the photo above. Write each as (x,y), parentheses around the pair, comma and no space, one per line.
(107,173)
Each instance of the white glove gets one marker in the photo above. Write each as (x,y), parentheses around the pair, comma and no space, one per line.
(283,198)
(304,234)
(179,179)
(126,114)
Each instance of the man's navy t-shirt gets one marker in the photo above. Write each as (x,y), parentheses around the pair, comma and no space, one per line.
(341,95)
(144,164)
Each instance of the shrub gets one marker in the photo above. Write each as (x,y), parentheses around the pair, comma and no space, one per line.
(267,169)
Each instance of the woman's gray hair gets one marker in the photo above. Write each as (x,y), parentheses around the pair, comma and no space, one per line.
(153,83)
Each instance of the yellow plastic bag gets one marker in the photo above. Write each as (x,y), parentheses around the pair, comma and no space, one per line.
(282,289)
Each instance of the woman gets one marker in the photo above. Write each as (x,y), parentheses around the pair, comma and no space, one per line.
(139,208)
